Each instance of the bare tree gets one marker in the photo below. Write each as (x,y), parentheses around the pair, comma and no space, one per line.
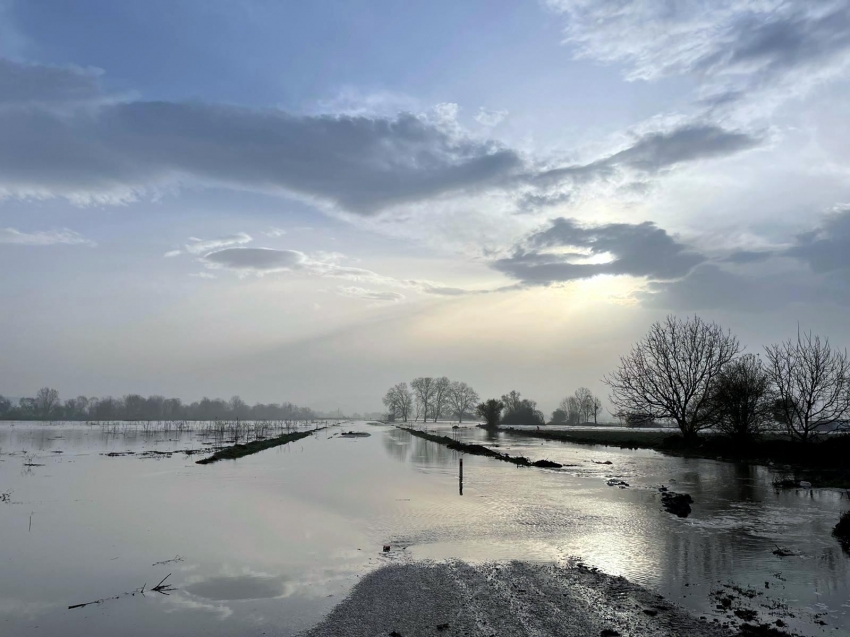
(462,398)
(46,402)
(812,384)
(441,395)
(398,401)
(584,397)
(423,390)
(672,371)
(743,399)
(595,408)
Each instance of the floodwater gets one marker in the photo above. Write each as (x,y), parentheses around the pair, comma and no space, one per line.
(269,543)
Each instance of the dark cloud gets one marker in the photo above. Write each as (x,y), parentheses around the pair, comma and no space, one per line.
(561,252)
(115,151)
(711,287)
(826,249)
(256,259)
(360,164)
(749,256)
(814,269)
(657,151)
(650,153)
(39,84)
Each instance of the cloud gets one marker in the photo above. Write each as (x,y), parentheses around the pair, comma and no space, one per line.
(568,251)
(118,151)
(203,275)
(733,46)
(274,232)
(172,253)
(490,118)
(813,269)
(827,248)
(375,295)
(257,260)
(655,151)
(43,238)
(713,287)
(36,84)
(201,246)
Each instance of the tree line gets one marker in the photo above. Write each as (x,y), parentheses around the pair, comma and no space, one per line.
(694,373)
(578,408)
(46,405)
(441,398)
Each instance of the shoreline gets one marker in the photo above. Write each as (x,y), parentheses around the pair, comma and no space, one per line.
(823,464)
(509,600)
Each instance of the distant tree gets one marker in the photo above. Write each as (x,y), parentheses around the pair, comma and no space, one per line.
(672,371)
(172,409)
(5,406)
(76,408)
(491,411)
(47,403)
(28,408)
(462,398)
(596,407)
(512,401)
(812,384)
(423,390)
(398,401)
(572,410)
(521,411)
(559,417)
(238,407)
(584,398)
(743,400)
(442,386)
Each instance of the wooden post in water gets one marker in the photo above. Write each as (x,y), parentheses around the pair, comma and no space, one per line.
(460,477)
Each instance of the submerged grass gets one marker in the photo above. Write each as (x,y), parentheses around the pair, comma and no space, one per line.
(481,450)
(237,450)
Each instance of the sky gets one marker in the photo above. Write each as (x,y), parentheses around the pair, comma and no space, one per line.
(314,201)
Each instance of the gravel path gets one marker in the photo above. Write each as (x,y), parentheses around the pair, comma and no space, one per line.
(504,600)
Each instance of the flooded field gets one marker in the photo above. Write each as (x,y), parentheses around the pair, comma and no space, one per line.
(269,543)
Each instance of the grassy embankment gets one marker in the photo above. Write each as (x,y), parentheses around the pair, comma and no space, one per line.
(237,450)
(481,450)
(823,463)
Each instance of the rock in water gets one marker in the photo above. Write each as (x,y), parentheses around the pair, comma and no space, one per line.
(677,503)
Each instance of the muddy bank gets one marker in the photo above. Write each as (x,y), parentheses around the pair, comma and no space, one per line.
(822,464)
(507,600)
(237,451)
(481,450)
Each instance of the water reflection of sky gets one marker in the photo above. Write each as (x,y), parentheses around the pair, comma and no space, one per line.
(273,541)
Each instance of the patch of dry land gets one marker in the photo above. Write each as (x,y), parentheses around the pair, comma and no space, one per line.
(505,600)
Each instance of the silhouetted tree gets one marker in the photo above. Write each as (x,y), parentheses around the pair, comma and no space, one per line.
(441,395)
(423,390)
(521,411)
(47,403)
(491,411)
(559,417)
(672,371)
(398,401)
(462,398)
(595,407)
(812,384)
(743,402)
(5,406)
